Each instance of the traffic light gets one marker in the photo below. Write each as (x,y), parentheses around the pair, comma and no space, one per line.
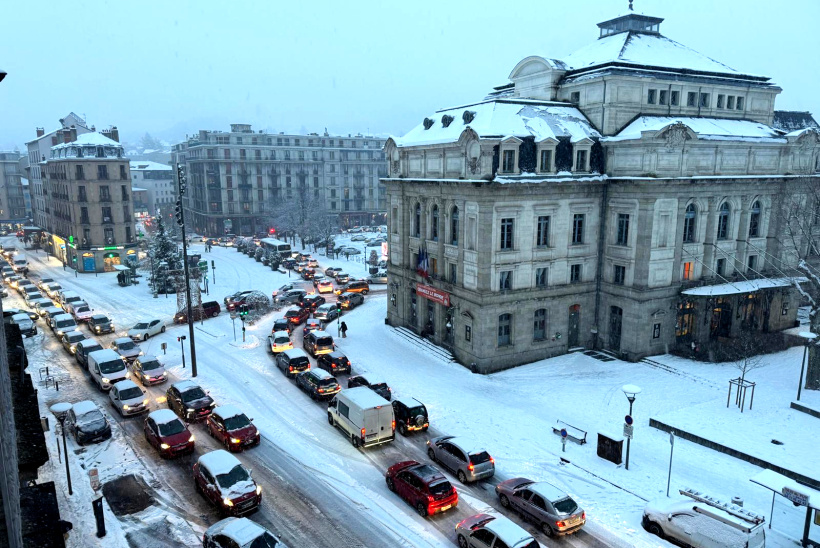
(74,259)
(71,239)
(178,209)
(272,231)
(243,310)
(179,339)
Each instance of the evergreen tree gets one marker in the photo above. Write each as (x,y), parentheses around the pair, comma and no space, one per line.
(165,256)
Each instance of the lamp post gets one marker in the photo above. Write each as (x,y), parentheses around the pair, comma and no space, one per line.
(60,411)
(630,391)
(809,337)
(180,215)
(181,340)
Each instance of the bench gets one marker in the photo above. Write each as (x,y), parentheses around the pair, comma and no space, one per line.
(573,433)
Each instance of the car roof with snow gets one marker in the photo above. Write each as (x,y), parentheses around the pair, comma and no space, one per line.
(125,384)
(72,334)
(364,397)
(219,462)
(277,334)
(163,416)
(21,316)
(295,353)
(547,490)
(321,374)
(83,407)
(467,444)
(227,411)
(319,334)
(240,530)
(123,340)
(184,386)
(99,317)
(506,530)
(407,401)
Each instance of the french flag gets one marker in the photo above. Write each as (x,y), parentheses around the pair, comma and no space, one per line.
(423,265)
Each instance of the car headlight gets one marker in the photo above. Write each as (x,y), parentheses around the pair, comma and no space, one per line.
(125,408)
(145,376)
(235,440)
(164,446)
(227,502)
(258,489)
(105,380)
(189,410)
(145,401)
(127,374)
(191,439)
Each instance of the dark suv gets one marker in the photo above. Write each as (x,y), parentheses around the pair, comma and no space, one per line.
(297,315)
(379,388)
(312,302)
(282,324)
(334,363)
(100,323)
(189,401)
(210,309)
(411,415)
(293,361)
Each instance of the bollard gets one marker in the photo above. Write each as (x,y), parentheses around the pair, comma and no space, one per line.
(99,516)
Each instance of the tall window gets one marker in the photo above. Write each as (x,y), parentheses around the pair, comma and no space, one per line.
(674,98)
(543,235)
(751,262)
(721,267)
(504,330)
(575,274)
(417,221)
(754,220)
(506,233)
(539,325)
(688,273)
(619,276)
(540,277)
(453,273)
(581,160)
(704,100)
(652,96)
(102,172)
(546,161)
(105,195)
(623,229)
(689,219)
(79,173)
(578,228)
(454,226)
(723,221)
(508,165)
(123,176)
(730,102)
(691,99)
(434,224)
(505,280)
(662,97)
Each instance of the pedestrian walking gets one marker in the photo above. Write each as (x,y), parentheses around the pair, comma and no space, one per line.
(343,329)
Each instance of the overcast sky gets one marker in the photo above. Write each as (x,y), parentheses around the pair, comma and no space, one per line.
(174,67)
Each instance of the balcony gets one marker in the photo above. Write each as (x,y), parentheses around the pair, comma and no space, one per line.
(82,198)
(126,198)
(108,220)
(105,198)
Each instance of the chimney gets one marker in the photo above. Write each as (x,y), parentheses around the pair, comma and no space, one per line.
(55,139)
(93,128)
(73,132)
(115,133)
(67,136)
(40,132)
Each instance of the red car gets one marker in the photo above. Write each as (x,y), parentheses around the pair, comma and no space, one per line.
(297,315)
(422,486)
(231,427)
(225,483)
(166,432)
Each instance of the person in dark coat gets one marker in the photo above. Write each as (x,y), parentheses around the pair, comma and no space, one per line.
(343,329)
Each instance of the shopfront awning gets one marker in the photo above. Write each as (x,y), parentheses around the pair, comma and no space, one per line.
(739,287)
(122,267)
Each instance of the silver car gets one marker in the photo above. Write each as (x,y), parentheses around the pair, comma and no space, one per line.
(484,530)
(468,462)
(27,327)
(554,511)
(126,348)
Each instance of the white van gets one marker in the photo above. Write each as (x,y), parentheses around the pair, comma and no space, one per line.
(107,368)
(66,296)
(703,522)
(364,416)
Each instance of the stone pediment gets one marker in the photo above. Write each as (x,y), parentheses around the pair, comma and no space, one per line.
(675,135)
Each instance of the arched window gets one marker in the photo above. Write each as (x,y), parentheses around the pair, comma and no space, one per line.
(417,221)
(434,224)
(454,226)
(723,221)
(689,223)
(754,220)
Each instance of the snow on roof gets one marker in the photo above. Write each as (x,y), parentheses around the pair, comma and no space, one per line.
(467,444)
(218,462)
(242,531)
(407,401)
(228,411)
(776,482)
(790,120)
(746,286)
(364,396)
(502,118)
(652,50)
(125,384)
(547,490)
(138,189)
(163,416)
(83,407)
(717,129)
(147,165)
(92,138)
(321,374)
(508,531)
(184,386)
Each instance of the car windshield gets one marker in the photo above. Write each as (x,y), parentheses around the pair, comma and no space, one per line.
(292,313)
(76,337)
(65,323)
(126,345)
(325,341)
(112,367)
(141,325)
(328,383)
(265,541)
(130,393)
(171,428)
(151,365)
(92,420)
(82,309)
(193,394)
(99,320)
(565,506)
(236,475)
(379,386)
(480,458)
(281,340)
(440,488)
(90,349)
(236,422)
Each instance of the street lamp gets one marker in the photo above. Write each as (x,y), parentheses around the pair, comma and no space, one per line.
(60,410)
(180,217)
(630,391)
(809,337)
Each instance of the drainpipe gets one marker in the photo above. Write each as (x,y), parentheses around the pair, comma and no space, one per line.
(600,269)
(603,112)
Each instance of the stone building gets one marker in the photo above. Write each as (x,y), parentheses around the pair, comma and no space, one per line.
(158,181)
(235,177)
(12,195)
(87,190)
(619,199)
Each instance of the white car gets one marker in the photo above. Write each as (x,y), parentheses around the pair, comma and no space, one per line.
(143,330)
(128,398)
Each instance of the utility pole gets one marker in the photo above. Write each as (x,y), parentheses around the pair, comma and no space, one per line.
(180,215)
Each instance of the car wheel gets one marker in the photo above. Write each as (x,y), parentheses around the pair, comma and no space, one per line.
(162,330)
(421,509)
(462,542)
(655,529)
(505,502)
(330,419)
(546,529)
(462,477)
(364,292)
(431,454)
(145,337)
(215,314)
(390,484)
(402,429)
(355,441)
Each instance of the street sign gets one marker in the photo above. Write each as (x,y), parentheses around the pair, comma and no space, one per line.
(795,496)
(628,419)
(564,433)
(628,431)
(94,476)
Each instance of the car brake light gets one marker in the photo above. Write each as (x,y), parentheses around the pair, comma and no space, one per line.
(290,368)
(393,424)
(583,515)
(471,467)
(363,431)
(560,524)
(492,460)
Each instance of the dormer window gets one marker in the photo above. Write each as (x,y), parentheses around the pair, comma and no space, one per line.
(730,102)
(652,96)
(739,103)
(508,161)
(581,160)
(575,97)
(691,99)
(663,96)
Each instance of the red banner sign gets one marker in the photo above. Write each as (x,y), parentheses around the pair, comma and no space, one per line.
(433,294)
